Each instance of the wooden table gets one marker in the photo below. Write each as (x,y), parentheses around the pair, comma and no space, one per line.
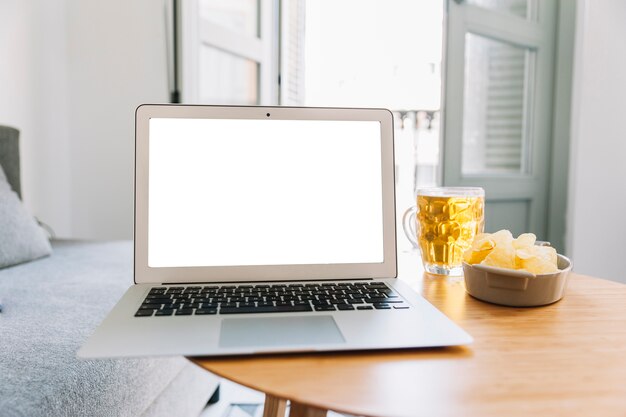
(565,359)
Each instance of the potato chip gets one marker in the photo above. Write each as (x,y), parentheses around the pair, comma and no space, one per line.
(502,256)
(483,241)
(525,240)
(501,250)
(537,259)
(502,237)
(481,246)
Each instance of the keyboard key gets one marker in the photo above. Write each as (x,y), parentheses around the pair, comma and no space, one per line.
(150,306)
(325,308)
(157,297)
(178,295)
(184,312)
(246,305)
(203,311)
(402,307)
(165,312)
(277,309)
(144,313)
(345,307)
(386,291)
(364,307)
(373,300)
(382,307)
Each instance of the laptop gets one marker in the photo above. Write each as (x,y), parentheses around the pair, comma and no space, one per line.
(265,230)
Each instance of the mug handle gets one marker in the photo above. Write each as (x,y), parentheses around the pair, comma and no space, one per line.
(409,224)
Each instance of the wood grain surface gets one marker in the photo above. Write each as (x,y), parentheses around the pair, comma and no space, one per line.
(565,359)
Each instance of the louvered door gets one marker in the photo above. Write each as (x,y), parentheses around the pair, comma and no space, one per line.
(292,53)
(498,102)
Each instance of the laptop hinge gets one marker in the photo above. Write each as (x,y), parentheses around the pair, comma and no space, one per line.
(267,281)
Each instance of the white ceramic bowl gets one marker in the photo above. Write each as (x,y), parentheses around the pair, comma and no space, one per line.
(516,288)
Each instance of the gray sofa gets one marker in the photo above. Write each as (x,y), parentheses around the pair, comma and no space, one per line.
(50,306)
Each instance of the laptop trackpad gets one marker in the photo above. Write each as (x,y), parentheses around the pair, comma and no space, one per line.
(279,331)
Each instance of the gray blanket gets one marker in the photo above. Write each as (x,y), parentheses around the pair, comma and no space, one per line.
(50,307)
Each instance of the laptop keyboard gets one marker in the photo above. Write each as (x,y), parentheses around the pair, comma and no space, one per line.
(269,298)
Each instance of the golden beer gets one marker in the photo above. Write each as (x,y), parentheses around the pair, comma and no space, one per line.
(446,226)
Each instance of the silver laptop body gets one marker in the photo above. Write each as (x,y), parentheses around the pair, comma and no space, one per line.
(264,230)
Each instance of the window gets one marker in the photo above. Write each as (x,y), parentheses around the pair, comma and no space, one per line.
(229,50)
(351,53)
(368,53)
(498,78)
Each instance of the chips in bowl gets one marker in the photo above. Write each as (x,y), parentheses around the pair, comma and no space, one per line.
(501,250)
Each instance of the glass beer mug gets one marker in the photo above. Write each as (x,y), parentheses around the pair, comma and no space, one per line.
(443,226)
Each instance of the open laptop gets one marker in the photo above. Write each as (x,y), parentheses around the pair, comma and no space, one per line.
(262,230)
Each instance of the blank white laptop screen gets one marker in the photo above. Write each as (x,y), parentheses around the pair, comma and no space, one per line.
(228,192)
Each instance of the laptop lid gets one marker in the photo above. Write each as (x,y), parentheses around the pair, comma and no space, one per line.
(234,193)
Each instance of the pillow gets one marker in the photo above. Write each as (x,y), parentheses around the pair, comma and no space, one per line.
(21,238)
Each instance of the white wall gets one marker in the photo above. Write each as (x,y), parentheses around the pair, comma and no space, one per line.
(597,192)
(33,98)
(72,73)
(117,61)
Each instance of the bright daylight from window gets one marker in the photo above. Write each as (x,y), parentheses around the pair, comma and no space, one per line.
(348,53)
(371,53)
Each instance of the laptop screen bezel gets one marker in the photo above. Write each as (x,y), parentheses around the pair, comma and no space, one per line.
(143,274)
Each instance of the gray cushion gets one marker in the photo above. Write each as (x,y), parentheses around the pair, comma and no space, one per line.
(21,238)
(10,156)
(50,307)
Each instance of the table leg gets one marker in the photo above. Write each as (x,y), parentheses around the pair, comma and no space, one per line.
(301,410)
(274,406)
